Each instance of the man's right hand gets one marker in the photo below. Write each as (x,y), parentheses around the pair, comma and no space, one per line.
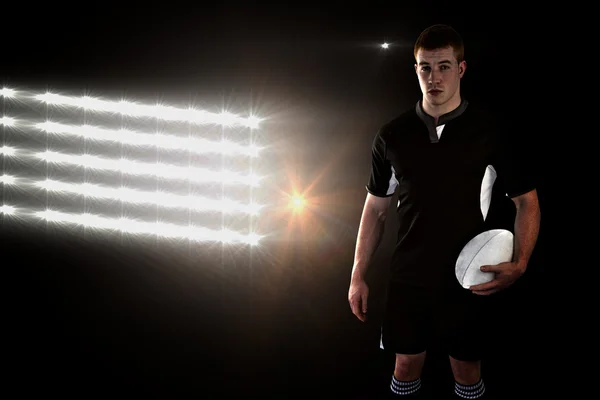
(357,296)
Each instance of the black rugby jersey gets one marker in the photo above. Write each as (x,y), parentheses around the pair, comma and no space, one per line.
(443,176)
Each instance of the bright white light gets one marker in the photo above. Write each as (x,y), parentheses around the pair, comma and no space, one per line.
(8,151)
(140,197)
(149,139)
(253,122)
(385,45)
(143,110)
(154,228)
(7,92)
(152,169)
(7,121)
(7,210)
(298,203)
(191,141)
(7,179)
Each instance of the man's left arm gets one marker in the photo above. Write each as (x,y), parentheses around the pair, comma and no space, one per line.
(527,226)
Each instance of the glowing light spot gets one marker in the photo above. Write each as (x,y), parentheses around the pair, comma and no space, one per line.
(298,203)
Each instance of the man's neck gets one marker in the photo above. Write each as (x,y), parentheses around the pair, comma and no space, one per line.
(437,111)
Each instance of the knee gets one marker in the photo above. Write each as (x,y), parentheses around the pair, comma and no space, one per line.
(466,372)
(409,366)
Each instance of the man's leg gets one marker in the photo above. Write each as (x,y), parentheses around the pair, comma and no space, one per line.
(464,332)
(467,376)
(405,333)
(407,374)
(465,372)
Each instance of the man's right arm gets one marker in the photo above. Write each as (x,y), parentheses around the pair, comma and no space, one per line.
(370,232)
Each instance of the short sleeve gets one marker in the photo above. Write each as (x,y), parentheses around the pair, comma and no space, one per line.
(514,165)
(382,180)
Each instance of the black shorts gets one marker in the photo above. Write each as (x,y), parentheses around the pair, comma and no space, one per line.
(452,319)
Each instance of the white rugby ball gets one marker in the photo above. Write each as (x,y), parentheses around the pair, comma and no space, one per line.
(488,248)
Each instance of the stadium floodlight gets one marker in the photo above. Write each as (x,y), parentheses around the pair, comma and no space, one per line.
(125,136)
(167,113)
(184,170)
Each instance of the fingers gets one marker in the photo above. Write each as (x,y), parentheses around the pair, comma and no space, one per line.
(485,292)
(364,303)
(358,308)
(489,268)
(493,284)
(362,317)
(502,267)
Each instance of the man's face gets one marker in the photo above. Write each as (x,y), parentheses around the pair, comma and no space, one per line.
(439,74)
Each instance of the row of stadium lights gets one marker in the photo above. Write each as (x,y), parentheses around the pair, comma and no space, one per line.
(131,167)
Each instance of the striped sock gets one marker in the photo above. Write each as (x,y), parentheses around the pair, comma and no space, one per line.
(404,388)
(475,391)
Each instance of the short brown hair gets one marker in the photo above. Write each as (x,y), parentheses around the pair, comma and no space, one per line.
(438,37)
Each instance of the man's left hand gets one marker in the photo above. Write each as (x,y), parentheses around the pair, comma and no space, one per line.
(505,275)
